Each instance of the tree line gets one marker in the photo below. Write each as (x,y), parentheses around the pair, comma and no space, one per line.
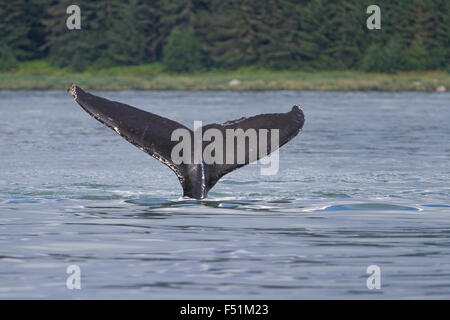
(192,35)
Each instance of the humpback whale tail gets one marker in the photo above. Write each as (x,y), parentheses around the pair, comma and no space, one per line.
(153,134)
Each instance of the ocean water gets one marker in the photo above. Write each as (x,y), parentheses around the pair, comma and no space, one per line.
(366,182)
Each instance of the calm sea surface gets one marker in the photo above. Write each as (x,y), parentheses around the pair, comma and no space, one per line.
(367,182)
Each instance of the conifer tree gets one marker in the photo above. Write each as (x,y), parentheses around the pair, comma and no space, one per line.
(279,34)
(21,29)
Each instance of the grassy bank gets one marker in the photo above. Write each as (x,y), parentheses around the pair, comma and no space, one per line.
(40,75)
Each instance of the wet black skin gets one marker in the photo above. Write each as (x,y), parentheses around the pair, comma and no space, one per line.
(152,134)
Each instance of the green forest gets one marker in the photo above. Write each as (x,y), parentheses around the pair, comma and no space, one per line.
(199,35)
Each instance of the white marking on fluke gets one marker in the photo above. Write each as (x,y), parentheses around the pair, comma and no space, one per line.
(73,90)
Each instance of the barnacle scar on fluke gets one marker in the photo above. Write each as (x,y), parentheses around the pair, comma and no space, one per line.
(72,89)
(152,134)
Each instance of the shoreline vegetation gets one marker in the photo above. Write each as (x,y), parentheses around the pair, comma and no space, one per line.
(39,74)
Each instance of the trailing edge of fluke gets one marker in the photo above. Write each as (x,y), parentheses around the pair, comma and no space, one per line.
(152,134)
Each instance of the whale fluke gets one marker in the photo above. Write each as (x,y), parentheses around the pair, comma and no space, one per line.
(153,134)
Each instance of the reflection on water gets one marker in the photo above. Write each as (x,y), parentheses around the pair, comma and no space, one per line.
(365,183)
